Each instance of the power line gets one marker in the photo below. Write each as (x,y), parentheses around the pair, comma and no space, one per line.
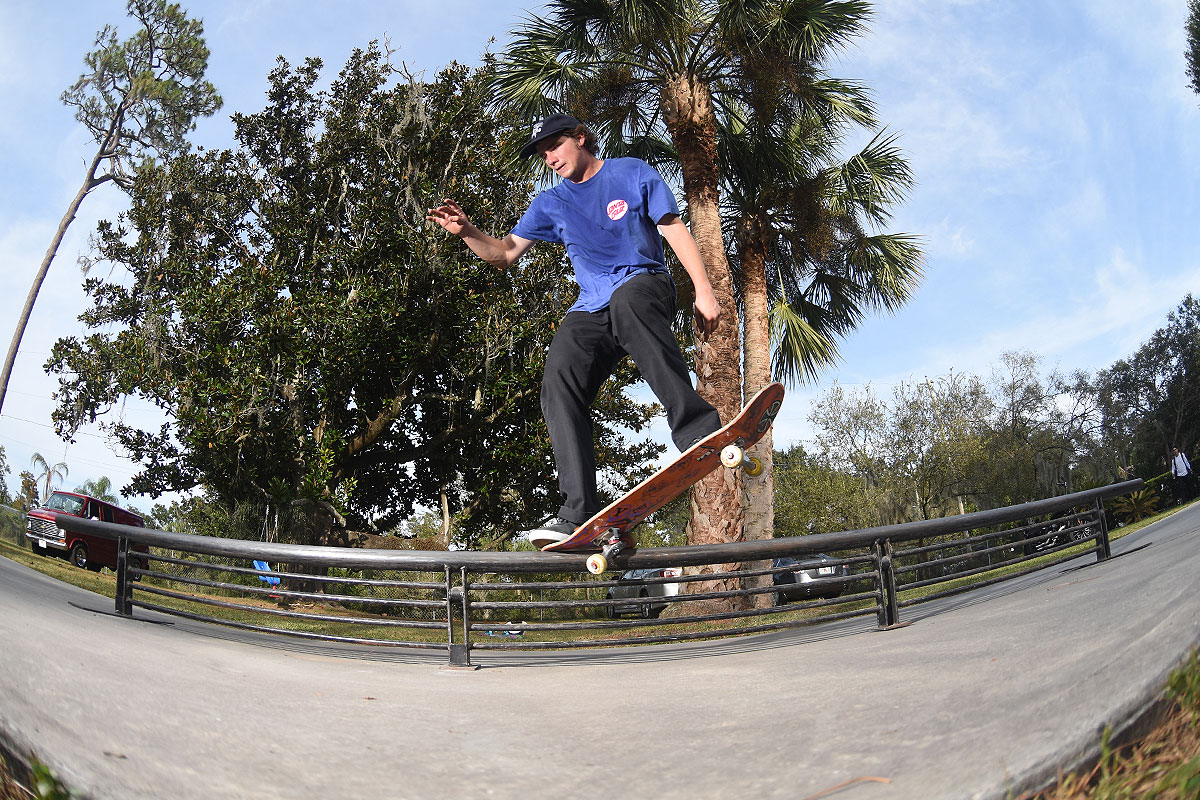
(51,427)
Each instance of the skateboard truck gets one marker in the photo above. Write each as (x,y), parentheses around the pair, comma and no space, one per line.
(734,456)
(611,543)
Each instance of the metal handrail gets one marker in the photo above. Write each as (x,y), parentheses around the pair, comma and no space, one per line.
(450,598)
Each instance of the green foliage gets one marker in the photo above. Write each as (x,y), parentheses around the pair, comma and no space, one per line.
(139,102)
(1184,684)
(1160,478)
(12,525)
(667,527)
(1038,433)
(801,229)
(1136,506)
(1151,400)
(5,497)
(200,516)
(141,97)
(28,498)
(813,497)
(312,339)
(101,489)
(941,445)
(47,785)
(1193,44)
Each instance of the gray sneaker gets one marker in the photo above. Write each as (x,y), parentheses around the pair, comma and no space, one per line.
(553,530)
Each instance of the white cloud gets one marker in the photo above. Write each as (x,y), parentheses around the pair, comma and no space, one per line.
(1123,304)
(949,238)
(1085,208)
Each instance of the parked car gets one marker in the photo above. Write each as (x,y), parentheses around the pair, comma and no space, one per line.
(1064,528)
(83,550)
(632,588)
(796,581)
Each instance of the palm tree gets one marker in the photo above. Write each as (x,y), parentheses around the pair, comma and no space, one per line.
(807,260)
(101,489)
(48,472)
(636,68)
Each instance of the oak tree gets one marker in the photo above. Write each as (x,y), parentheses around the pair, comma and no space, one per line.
(312,341)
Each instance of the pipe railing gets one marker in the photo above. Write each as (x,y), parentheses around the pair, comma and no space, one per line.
(463,601)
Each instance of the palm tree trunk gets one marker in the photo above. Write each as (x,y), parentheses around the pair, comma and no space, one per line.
(444,530)
(717,514)
(760,491)
(89,183)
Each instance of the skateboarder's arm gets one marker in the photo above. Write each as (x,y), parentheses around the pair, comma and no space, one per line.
(707,310)
(500,252)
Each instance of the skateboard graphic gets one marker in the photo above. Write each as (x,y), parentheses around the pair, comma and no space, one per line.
(609,531)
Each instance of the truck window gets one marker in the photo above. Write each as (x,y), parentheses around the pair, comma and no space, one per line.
(65,503)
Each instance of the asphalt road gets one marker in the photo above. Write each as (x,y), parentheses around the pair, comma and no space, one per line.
(982,696)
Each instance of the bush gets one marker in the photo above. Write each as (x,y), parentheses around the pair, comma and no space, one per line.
(1137,506)
(12,525)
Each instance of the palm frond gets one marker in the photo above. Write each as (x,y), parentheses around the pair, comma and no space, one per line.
(812,30)
(873,179)
(893,262)
(801,350)
(837,103)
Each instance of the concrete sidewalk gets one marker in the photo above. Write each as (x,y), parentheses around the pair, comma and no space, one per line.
(981,697)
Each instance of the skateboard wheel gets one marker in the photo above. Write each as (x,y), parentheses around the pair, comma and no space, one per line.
(732,456)
(754,467)
(597,563)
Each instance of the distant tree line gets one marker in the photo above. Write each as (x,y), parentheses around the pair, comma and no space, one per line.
(960,442)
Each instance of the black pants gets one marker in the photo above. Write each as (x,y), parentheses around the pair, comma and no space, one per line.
(1185,487)
(584,353)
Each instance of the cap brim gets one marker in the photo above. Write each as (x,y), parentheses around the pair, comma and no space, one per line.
(530,148)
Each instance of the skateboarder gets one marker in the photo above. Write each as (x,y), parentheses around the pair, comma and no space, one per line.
(609,213)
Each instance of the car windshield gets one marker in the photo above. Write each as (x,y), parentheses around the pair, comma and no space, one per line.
(66,503)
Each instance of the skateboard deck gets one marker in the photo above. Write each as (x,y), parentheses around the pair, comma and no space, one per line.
(609,530)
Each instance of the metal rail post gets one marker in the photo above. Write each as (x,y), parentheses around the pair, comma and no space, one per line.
(889,609)
(124,585)
(460,652)
(466,618)
(1105,551)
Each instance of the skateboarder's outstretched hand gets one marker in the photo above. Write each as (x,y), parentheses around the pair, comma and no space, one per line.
(500,252)
(450,216)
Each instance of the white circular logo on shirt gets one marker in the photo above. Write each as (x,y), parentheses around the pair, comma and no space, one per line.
(617,209)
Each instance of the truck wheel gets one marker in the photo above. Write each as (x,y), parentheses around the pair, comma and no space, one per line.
(79,555)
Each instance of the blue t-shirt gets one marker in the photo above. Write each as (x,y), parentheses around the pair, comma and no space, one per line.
(608,223)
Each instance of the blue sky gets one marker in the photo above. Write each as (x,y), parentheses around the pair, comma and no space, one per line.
(1056,148)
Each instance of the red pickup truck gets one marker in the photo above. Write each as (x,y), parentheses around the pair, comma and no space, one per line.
(83,550)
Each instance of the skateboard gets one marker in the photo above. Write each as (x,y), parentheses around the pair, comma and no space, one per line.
(609,531)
